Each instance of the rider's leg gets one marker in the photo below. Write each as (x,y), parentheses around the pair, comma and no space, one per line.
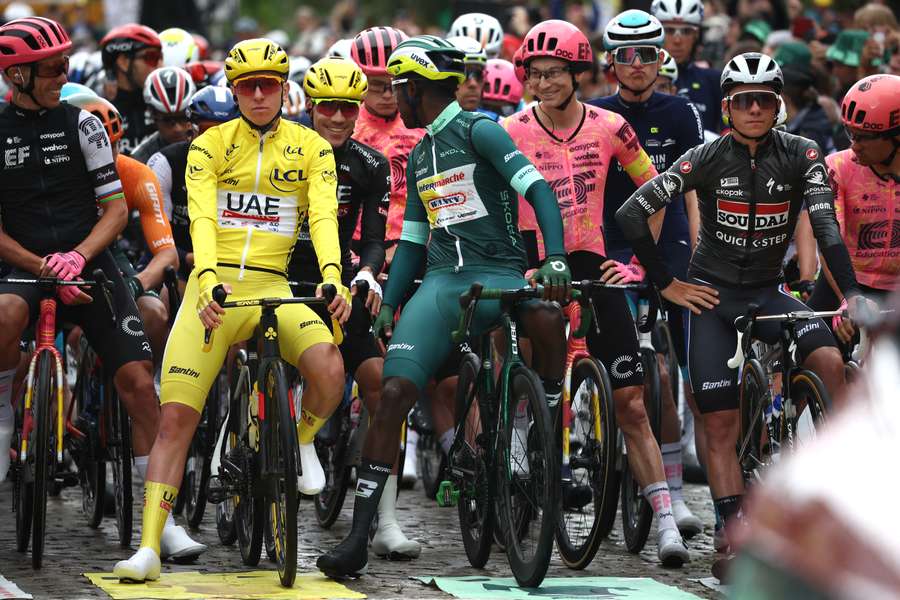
(826,362)
(443,408)
(13,321)
(156,324)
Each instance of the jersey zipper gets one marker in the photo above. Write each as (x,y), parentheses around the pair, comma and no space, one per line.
(458,242)
(47,209)
(751,222)
(259,157)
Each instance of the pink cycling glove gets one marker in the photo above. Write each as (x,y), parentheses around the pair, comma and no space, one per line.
(68,293)
(66,265)
(837,319)
(633,272)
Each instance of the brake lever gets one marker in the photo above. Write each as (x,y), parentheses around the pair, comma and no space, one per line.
(106,287)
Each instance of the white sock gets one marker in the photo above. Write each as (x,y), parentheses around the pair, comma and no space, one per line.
(412,439)
(671,455)
(657,494)
(446,440)
(7,419)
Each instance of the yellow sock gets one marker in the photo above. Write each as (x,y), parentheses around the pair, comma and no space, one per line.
(308,426)
(159,499)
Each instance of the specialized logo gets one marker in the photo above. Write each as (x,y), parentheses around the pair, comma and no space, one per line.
(133,326)
(737,214)
(686,167)
(173,370)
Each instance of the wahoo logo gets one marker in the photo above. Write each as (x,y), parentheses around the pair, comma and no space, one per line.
(445,201)
(737,214)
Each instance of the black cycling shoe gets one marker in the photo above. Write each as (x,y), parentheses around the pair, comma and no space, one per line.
(349,559)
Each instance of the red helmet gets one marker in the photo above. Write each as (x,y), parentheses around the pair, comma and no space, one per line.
(202,71)
(871,105)
(501,83)
(558,39)
(202,45)
(32,39)
(103,110)
(127,39)
(372,47)
(519,64)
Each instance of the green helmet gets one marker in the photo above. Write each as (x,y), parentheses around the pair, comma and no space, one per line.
(429,57)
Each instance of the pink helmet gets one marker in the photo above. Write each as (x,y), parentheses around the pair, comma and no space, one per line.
(501,83)
(519,64)
(558,39)
(871,103)
(32,39)
(372,47)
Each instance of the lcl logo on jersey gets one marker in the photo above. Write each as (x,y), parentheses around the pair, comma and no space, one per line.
(288,179)
(737,214)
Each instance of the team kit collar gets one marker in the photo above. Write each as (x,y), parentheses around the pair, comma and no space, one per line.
(447,115)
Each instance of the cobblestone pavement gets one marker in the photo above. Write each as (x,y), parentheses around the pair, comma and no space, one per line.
(72,549)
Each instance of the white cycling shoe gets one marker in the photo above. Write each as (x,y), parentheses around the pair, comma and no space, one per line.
(389,540)
(410,460)
(143,566)
(688,523)
(175,543)
(312,479)
(671,550)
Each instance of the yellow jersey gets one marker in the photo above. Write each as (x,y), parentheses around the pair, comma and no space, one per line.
(258,190)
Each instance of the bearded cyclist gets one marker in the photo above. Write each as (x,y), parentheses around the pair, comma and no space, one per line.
(667,127)
(573,145)
(751,186)
(247,200)
(462,246)
(167,93)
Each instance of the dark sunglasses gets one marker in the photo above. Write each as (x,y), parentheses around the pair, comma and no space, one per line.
(627,55)
(476,73)
(267,85)
(857,136)
(52,69)
(173,120)
(745,100)
(151,56)
(329,108)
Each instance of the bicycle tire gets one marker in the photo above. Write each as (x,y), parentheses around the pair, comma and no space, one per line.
(23,484)
(431,461)
(283,452)
(203,444)
(44,453)
(119,443)
(249,506)
(637,514)
(593,463)
(226,523)
(88,453)
(753,393)
(806,385)
(476,516)
(333,455)
(519,508)
(664,334)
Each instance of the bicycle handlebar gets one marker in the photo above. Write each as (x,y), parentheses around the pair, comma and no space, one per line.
(50,283)
(745,322)
(645,290)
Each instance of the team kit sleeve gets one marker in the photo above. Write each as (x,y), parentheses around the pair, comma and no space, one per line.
(323,223)
(819,199)
(160,166)
(646,201)
(493,143)
(374,217)
(411,249)
(691,134)
(98,159)
(154,223)
(628,151)
(201,179)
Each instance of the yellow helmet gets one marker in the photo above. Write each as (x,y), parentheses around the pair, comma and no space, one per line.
(335,79)
(256,56)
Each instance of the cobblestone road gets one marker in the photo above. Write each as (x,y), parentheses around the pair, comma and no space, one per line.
(73,549)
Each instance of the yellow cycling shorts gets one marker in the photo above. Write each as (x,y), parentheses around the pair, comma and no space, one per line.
(189,367)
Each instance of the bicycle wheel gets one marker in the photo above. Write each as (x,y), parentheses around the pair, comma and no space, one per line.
(472,459)
(811,399)
(637,514)
(754,394)
(592,453)
(87,452)
(667,348)
(23,483)
(283,455)
(196,467)
(528,467)
(44,453)
(249,507)
(431,460)
(119,447)
(226,527)
(333,452)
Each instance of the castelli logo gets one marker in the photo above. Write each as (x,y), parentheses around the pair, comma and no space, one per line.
(686,167)
(812,154)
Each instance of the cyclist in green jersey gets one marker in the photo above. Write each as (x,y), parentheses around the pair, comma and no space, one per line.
(462,216)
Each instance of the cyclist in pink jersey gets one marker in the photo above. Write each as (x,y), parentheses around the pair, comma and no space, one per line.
(573,145)
(379,124)
(866,183)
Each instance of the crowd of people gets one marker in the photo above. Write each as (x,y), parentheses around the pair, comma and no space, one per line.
(684,145)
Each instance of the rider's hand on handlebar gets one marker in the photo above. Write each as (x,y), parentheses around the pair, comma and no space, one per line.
(72,295)
(383,326)
(556,277)
(861,311)
(373,300)
(615,272)
(691,296)
(208,309)
(340,307)
(65,265)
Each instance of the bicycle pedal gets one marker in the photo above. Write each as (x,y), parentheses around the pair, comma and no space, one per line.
(447,494)
(216,491)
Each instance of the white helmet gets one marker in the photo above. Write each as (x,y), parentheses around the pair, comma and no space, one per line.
(299,65)
(168,90)
(280,37)
(669,67)
(482,28)
(294,101)
(17,10)
(178,47)
(752,67)
(633,28)
(475,54)
(684,11)
(340,49)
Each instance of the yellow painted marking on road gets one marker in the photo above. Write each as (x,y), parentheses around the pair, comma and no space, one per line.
(252,585)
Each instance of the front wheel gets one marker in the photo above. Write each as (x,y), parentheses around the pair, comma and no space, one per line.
(119,443)
(811,401)
(281,470)
(754,446)
(333,449)
(44,453)
(528,478)
(23,483)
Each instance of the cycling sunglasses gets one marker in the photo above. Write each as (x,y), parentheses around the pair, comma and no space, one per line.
(626,55)
(267,84)
(173,120)
(745,100)
(475,72)
(151,56)
(52,69)
(683,31)
(854,135)
(329,108)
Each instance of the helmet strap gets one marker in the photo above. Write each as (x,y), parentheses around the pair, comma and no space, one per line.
(890,159)
(28,88)
(635,91)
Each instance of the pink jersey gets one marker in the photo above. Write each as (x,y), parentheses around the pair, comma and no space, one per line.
(395,141)
(867,208)
(576,170)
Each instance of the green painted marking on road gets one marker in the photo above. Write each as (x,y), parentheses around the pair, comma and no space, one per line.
(559,588)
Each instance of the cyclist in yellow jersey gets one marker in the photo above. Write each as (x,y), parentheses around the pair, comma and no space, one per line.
(251,183)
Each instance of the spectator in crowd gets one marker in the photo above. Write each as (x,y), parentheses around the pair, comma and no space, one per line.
(805,115)
(845,57)
(312,36)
